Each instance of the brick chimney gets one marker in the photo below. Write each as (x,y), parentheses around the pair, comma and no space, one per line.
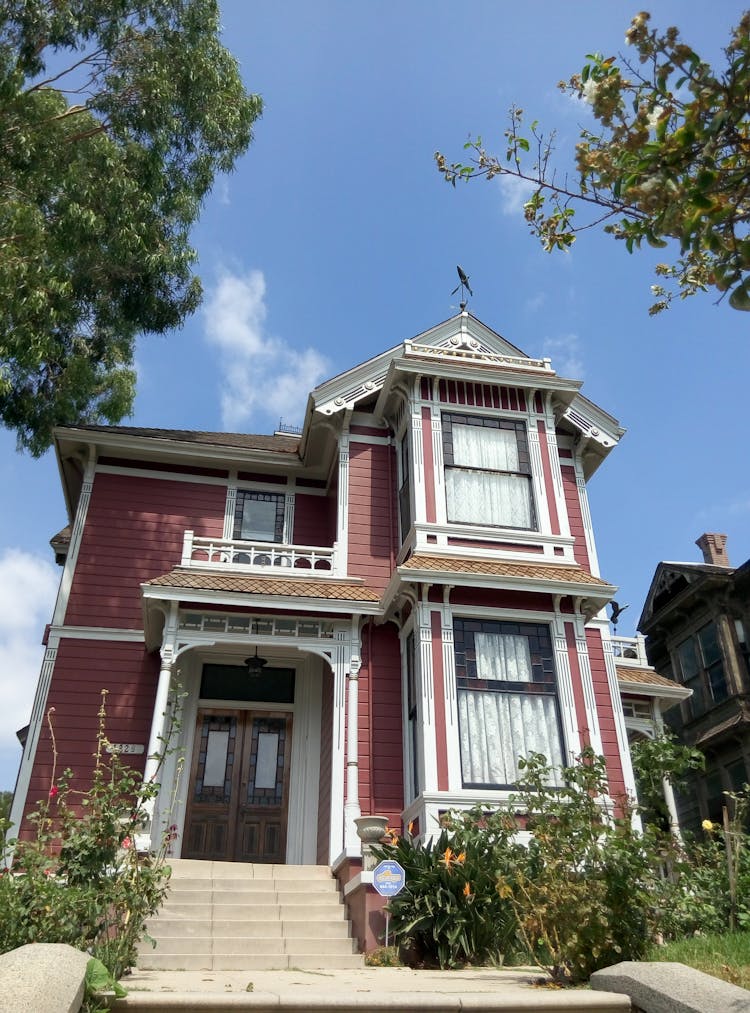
(713,547)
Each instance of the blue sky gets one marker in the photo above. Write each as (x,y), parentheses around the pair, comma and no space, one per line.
(335,238)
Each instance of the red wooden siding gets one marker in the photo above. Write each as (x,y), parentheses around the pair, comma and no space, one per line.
(604,708)
(575,677)
(83,668)
(326,744)
(438,676)
(134,531)
(381,769)
(313,523)
(372,513)
(549,487)
(521,600)
(481,395)
(575,517)
(429,466)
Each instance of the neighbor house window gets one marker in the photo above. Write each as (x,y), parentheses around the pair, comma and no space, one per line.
(507,700)
(487,471)
(701,666)
(259,516)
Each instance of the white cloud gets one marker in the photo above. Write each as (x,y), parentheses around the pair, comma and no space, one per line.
(566,352)
(261,375)
(514,193)
(28,585)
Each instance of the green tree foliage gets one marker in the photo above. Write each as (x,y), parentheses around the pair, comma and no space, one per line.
(657,760)
(669,160)
(115,116)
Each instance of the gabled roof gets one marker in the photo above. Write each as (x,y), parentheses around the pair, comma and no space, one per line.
(464,347)
(240,441)
(672,583)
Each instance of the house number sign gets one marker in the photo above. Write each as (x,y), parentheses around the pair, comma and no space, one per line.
(132,748)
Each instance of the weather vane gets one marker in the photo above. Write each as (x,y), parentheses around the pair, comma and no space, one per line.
(463,283)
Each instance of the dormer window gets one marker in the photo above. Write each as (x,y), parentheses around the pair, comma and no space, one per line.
(487,472)
(259,516)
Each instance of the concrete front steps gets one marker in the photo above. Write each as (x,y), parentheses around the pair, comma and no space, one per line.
(231,916)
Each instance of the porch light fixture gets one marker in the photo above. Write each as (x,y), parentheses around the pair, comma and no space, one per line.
(255,665)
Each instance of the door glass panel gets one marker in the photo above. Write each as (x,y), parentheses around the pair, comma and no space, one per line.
(268,752)
(216,758)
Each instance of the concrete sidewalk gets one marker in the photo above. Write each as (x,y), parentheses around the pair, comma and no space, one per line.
(369,989)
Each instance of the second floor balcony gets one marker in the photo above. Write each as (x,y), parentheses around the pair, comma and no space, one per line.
(238,556)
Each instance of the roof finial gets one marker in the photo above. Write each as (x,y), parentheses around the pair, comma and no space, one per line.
(463,283)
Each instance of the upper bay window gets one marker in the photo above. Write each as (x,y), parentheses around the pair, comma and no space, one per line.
(259,516)
(487,472)
(507,699)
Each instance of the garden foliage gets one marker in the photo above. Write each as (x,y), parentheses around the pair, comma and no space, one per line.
(80,879)
(585,890)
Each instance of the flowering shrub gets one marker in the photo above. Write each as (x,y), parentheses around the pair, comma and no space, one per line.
(589,892)
(80,880)
(449,912)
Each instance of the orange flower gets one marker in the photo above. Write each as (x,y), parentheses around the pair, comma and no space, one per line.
(467,890)
(410,828)
(461,858)
(447,856)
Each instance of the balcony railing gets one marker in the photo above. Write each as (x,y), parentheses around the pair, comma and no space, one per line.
(630,651)
(251,557)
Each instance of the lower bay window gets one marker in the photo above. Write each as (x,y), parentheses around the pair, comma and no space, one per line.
(507,699)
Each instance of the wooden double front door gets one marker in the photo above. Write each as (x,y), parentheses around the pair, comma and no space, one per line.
(239,787)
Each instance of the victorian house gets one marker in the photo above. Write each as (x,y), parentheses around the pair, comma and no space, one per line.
(379,614)
(696,622)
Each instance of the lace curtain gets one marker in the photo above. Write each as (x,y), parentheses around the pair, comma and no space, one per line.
(487,497)
(498,727)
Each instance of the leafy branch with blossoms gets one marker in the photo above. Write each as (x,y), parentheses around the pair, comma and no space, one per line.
(667,164)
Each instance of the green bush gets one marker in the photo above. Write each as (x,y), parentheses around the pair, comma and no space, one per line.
(80,880)
(589,891)
(449,913)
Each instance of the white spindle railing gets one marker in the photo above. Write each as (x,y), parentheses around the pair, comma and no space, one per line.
(241,556)
(630,650)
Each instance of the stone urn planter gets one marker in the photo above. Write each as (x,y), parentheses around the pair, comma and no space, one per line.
(370,830)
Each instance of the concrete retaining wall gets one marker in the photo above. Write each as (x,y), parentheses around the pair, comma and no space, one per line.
(43,978)
(671,988)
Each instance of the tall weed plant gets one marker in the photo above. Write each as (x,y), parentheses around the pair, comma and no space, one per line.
(80,879)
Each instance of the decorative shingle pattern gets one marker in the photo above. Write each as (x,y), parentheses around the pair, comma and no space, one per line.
(644,676)
(502,568)
(202,580)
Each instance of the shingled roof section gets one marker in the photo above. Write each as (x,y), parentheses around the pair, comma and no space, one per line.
(242,441)
(203,580)
(502,568)
(644,677)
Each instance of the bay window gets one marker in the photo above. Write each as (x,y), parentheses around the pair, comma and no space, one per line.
(487,471)
(507,699)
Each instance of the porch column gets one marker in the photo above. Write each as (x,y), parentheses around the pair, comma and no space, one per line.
(351,807)
(666,784)
(159,723)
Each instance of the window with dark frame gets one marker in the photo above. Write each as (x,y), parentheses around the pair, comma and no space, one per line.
(487,471)
(701,667)
(259,516)
(507,699)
